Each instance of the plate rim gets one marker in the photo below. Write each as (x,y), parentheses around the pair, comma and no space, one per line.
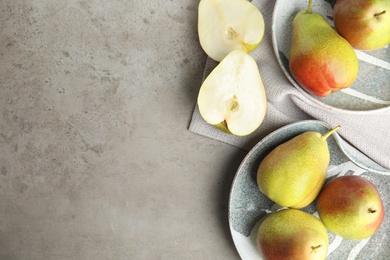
(259,144)
(246,158)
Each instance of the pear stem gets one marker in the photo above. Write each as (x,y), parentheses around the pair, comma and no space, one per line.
(379,14)
(325,136)
(309,7)
(316,247)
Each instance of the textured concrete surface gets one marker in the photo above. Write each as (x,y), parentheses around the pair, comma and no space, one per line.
(96,161)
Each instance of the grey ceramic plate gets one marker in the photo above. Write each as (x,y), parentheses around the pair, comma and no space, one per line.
(370,91)
(248,206)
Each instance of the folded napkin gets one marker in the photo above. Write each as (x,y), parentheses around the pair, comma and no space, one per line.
(368,131)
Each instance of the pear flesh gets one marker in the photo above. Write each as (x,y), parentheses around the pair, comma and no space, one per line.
(321,61)
(233,96)
(293,173)
(224,26)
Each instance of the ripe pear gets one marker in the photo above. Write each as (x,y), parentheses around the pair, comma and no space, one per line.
(293,173)
(292,234)
(232,97)
(224,26)
(321,61)
(351,207)
(365,24)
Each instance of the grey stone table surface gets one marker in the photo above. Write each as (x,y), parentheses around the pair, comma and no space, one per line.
(96,161)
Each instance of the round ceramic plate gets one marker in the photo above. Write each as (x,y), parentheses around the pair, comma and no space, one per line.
(370,91)
(248,206)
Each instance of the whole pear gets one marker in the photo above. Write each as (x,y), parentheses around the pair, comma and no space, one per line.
(351,207)
(321,61)
(365,24)
(292,234)
(293,173)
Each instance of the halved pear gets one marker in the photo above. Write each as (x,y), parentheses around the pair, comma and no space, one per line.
(233,97)
(226,25)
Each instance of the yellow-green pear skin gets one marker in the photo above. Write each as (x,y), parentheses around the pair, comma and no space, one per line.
(223,127)
(320,60)
(293,173)
(292,234)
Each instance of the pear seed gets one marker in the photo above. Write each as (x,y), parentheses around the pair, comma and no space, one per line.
(233,106)
(231,34)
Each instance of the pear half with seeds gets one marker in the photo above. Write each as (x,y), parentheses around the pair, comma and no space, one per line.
(233,96)
(226,25)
